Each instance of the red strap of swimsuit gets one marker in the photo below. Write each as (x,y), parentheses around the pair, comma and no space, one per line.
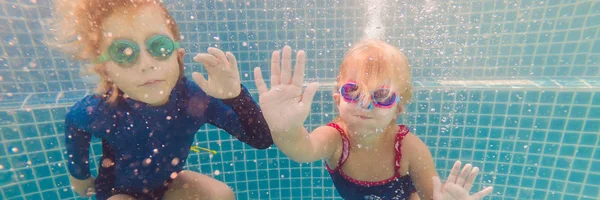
(345,145)
(402,131)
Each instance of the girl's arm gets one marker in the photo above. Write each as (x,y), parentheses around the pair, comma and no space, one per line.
(300,146)
(427,181)
(286,106)
(421,167)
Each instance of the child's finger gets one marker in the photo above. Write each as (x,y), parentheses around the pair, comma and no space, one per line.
(232,61)
(437,187)
(482,193)
(454,192)
(200,80)
(206,59)
(218,53)
(309,94)
(471,179)
(90,192)
(275,68)
(259,81)
(463,174)
(454,172)
(286,65)
(298,77)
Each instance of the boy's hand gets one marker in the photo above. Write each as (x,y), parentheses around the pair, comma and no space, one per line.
(85,188)
(223,74)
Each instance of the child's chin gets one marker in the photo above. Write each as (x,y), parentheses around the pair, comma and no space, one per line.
(156,99)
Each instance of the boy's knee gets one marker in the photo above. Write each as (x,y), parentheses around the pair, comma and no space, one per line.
(121,197)
(223,192)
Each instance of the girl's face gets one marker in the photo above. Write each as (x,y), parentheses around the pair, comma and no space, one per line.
(365,116)
(148,78)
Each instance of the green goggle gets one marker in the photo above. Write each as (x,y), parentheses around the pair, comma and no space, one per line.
(125,52)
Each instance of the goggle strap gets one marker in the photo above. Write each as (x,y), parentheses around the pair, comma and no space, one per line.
(102,58)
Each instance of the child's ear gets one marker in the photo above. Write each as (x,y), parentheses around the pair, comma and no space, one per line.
(180,53)
(336,98)
(400,108)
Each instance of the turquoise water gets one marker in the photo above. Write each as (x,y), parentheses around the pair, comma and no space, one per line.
(512,87)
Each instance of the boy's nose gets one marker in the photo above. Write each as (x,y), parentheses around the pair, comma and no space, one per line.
(147,63)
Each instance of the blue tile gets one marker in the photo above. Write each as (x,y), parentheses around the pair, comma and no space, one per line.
(42,115)
(584,152)
(564,98)
(573,188)
(560,111)
(575,125)
(582,98)
(578,111)
(591,191)
(544,110)
(594,113)
(547,97)
(30,187)
(551,149)
(541,123)
(11,190)
(592,126)
(514,109)
(589,139)
(502,96)
(557,124)
(33,145)
(10,133)
(487,96)
(24,117)
(35,196)
(28,131)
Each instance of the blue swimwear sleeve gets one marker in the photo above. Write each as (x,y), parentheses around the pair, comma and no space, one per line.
(242,118)
(77,141)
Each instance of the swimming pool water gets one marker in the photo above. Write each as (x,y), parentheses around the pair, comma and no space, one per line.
(511,87)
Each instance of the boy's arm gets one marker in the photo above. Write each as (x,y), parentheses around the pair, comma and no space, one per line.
(242,118)
(78,148)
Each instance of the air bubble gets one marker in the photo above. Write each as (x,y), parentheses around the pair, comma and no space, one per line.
(175,161)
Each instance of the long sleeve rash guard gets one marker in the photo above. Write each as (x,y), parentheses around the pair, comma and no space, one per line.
(150,143)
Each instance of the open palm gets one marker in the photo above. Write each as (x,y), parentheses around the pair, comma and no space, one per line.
(285,106)
(223,74)
(457,186)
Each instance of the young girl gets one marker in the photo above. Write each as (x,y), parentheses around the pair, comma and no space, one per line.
(145,111)
(368,156)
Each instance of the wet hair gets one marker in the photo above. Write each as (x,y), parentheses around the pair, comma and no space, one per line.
(78,32)
(375,61)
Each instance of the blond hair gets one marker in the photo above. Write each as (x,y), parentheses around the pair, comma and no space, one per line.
(78,32)
(374,61)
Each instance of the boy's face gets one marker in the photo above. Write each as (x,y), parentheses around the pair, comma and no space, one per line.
(148,79)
